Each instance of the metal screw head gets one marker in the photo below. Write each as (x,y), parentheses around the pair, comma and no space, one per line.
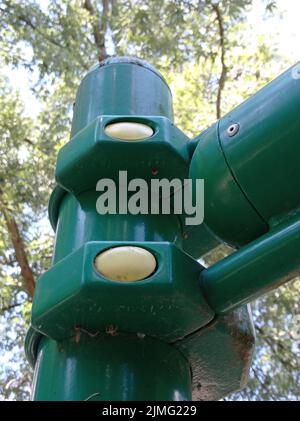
(233,129)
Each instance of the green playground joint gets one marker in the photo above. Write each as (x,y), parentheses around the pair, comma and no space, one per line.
(127,311)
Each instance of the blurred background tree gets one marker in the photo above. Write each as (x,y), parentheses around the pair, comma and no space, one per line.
(212,58)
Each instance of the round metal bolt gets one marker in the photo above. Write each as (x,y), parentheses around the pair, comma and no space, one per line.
(233,129)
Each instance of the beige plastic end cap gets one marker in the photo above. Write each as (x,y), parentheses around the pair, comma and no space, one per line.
(125,264)
(128,131)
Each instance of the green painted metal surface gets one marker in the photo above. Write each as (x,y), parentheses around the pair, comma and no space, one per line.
(169,304)
(255,269)
(218,360)
(72,297)
(263,155)
(91,154)
(177,333)
(228,214)
(121,86)
(102,367)
(90,226)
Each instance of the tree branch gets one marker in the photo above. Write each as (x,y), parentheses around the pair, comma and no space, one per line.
(272,344)
(99,26)
(261,382)
(223,76)
(25,19)
(11,306)
(20,252)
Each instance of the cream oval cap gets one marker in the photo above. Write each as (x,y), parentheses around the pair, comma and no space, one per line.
(128,130)
(125,263)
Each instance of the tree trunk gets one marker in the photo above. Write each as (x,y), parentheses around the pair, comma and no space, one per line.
(20,252)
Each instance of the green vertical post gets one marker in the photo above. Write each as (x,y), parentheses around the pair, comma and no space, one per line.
(87,342)
(110,368)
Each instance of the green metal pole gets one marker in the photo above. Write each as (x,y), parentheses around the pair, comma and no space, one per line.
(109,368)
(257,268)
(249,160)
(93,338)
(250,163)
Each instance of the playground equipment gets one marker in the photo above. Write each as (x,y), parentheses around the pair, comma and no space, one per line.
(127,312)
